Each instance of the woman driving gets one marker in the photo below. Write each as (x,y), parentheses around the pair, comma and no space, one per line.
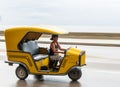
(55,49)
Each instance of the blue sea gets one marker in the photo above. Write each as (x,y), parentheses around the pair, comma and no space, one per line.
(78,28)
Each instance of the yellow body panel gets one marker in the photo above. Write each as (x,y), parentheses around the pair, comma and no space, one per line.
(43,62)
(83,58)
(26,59)
(23,58)
(71,60)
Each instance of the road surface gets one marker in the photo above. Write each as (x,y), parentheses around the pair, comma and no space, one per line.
(102,70)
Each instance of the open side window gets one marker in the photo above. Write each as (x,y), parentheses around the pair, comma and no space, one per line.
(28,37)
(30,45)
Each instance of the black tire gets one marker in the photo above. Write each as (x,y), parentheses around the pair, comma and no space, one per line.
(39,77)
(21,72)
(75,74)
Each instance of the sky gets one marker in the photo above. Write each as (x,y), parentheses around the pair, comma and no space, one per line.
(60,12)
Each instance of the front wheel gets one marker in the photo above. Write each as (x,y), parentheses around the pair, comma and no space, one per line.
(75,74)
(21,72)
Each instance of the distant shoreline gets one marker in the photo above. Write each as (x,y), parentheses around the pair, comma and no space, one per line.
(85,35)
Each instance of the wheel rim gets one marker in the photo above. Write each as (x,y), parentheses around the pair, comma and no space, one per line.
(21,72)
(74,74)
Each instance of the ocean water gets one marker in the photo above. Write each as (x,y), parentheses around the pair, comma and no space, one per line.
(78,28)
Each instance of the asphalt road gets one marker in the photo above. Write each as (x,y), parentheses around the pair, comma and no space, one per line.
(102,70)
(90,78)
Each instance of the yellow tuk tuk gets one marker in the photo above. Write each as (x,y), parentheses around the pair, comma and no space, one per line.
(22,49)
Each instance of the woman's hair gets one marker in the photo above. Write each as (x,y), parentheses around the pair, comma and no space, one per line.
(53,36)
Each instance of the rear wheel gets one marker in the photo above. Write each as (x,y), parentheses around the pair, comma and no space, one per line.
(21,72)
(75,74)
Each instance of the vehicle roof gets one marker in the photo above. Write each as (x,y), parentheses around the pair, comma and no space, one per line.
(42,29)
(14,35)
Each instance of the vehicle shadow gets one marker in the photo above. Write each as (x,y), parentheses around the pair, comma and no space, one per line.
(31,83)
(22,83)
(75,84)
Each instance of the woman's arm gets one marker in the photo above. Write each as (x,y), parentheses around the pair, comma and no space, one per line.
(53,48)
(60,47)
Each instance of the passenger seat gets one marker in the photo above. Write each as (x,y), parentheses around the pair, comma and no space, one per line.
(33,48)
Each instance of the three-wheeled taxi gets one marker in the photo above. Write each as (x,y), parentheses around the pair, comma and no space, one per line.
(23,49)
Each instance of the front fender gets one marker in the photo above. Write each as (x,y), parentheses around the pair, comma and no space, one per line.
(78,67)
